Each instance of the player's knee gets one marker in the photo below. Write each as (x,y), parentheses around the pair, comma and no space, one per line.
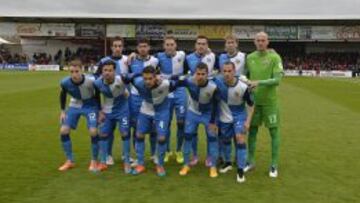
(140,136)
(102,134)
(162,139)
(93,132)
(226,140)
(125,136)
(64,130)
(240,139)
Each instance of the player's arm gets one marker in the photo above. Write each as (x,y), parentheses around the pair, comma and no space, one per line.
(248,98)
(98,101)
(63,94)
(214,111)
(276,75)
(178,81)
(129,78)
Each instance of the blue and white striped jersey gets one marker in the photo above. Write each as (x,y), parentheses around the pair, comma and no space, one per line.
(193,59)
(114,94)
(232,99)
(137,66)
(238,59)
(82,94)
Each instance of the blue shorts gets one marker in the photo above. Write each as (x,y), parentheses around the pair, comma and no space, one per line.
(134,107)
(110,122)
(179,103)
(193,121)
(159,122)
(73,115)
(234,128)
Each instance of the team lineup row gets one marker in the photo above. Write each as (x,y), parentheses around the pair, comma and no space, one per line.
(140,92)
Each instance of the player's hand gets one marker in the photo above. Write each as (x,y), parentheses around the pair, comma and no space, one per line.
(130,58)
(213,128)
(101,117)
(253,84)
(62,116)
(126,94)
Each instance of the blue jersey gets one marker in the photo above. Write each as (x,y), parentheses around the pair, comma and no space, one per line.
(232,99)
(202,98)
(238,59)
(193,59)
(154,99)
(170,66)
(115,100)
(121,63)
(82,94)
(137,66)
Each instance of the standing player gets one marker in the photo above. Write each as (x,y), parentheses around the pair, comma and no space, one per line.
(202,109)
(171,63)
(234,117)
(265,71)
(202,54)
(85,101)
(137,65)
(238,58)
(115,111)
(117,46)
(154,111)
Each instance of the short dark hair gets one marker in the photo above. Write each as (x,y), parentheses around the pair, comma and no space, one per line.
(229,63)
(143,40)
(108,63)
(169,37)
(202,66)
(149,69)
(117,38)
(202,37)
(76,63)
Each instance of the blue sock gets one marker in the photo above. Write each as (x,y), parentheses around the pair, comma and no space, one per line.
(213,148)
(94,147)
(161,152)
(189,140)
(226,150)
(110,139)
(140,149)
(153,141)
(126,148)
(195,144)
(241,155)
(103,148)
(180,137)
(67,146)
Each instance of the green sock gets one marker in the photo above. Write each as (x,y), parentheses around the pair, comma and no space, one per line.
(275,144)
(252,144)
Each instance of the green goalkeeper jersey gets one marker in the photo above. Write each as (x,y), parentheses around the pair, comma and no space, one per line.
(265,67)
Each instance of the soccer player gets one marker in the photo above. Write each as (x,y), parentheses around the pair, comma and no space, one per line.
(265,70)
(117,46)
(154,111)
(136,66)
(171,63)
(115,111)
(236,108)
(85,101)
(202,109)
(238,58)
(202,54)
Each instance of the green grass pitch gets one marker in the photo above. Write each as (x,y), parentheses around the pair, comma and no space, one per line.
(320,153)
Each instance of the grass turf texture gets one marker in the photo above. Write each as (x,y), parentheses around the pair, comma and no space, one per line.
(319,151)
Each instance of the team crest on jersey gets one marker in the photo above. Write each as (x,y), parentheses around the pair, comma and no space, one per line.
(237,94)
(208,60)
(237,61)
(160,92)
(179,60)
(266,62)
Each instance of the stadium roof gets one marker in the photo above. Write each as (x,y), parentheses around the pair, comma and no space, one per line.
(184,9)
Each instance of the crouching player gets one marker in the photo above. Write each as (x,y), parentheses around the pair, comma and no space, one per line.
(201,110)
(234,118)
(115,110)
(154,110)
(85,101)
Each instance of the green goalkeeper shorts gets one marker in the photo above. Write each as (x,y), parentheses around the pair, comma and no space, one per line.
(267,114)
